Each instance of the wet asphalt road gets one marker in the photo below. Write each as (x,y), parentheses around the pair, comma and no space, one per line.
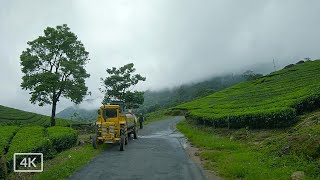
(158,153)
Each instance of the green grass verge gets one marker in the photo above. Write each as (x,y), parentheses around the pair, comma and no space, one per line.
(64,164)
(237,159)
(271,101)
(69,161)
(156,116)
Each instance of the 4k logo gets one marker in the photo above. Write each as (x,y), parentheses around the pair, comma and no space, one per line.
(28,162)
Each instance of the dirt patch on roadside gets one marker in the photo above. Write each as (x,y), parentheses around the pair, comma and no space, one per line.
(193,153)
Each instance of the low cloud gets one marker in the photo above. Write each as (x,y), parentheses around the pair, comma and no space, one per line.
(170,42)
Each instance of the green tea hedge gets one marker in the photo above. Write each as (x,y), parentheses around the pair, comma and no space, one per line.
(6,134)
(271,101)
(62,137)
(31,139)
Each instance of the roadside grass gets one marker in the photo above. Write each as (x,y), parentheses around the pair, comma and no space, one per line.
(64,164)
(67,162)
(235,158)
(156,116)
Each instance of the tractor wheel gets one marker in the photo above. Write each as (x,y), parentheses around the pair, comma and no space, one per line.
(135,136)
(94,141)
(122,141)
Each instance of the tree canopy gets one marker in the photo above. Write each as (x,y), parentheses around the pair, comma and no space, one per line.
(53,66)
(119,83)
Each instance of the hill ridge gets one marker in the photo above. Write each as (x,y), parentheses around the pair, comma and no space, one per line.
(13,116)
(270,101)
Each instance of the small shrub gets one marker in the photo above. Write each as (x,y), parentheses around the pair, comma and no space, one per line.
(62,137)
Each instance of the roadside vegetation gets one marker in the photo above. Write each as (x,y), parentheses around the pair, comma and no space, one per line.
(265,128)
(271,101)
(6,135)
(69,161)
(156,116)
(259,154)
(162,115)
(33,138)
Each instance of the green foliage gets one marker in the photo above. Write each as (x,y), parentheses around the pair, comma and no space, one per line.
(68,162)
(117,85)
(15,117)
(31,139)
(62,137)
(156,116)
(6,134)
(267,102)
(36,139)
(234,159)
(53,66)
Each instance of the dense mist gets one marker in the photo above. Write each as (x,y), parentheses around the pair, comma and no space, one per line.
(170,42)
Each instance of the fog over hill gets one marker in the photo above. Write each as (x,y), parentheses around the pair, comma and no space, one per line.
(170,42)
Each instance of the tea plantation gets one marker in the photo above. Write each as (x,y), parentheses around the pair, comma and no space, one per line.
(11,116)
(30,139)
(271,101)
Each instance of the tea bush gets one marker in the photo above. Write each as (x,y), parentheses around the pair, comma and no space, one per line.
(6,134)
(271,101)
(31,139)
(62,137)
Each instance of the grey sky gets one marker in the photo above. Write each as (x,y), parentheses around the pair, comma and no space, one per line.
(170,41)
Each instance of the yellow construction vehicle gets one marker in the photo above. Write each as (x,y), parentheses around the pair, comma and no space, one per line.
(114,125)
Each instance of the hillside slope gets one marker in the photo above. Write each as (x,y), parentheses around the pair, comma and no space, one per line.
(271,101)
(75,112)
(11,116)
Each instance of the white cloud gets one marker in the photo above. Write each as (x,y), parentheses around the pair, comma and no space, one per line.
(170,42)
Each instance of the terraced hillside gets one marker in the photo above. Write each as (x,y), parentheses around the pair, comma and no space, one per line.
(11,116)
(271,101)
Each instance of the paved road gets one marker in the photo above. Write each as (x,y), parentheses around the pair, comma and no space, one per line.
(158,153)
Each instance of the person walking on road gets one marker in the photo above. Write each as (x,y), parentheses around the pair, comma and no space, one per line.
(141,119)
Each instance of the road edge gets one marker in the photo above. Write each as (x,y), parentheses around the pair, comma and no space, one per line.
(192,152)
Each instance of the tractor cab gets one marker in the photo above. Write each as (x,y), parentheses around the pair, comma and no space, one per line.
(108,113)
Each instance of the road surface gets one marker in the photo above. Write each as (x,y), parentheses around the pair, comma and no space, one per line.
(158,153)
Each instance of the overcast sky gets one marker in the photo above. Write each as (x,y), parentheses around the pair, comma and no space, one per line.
(170,41)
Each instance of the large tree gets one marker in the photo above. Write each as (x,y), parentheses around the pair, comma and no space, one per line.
(53,66)
(118,86)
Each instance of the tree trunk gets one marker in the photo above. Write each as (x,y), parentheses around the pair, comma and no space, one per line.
(53,113)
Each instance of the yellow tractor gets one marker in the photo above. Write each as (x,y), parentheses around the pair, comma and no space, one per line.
(114,125)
